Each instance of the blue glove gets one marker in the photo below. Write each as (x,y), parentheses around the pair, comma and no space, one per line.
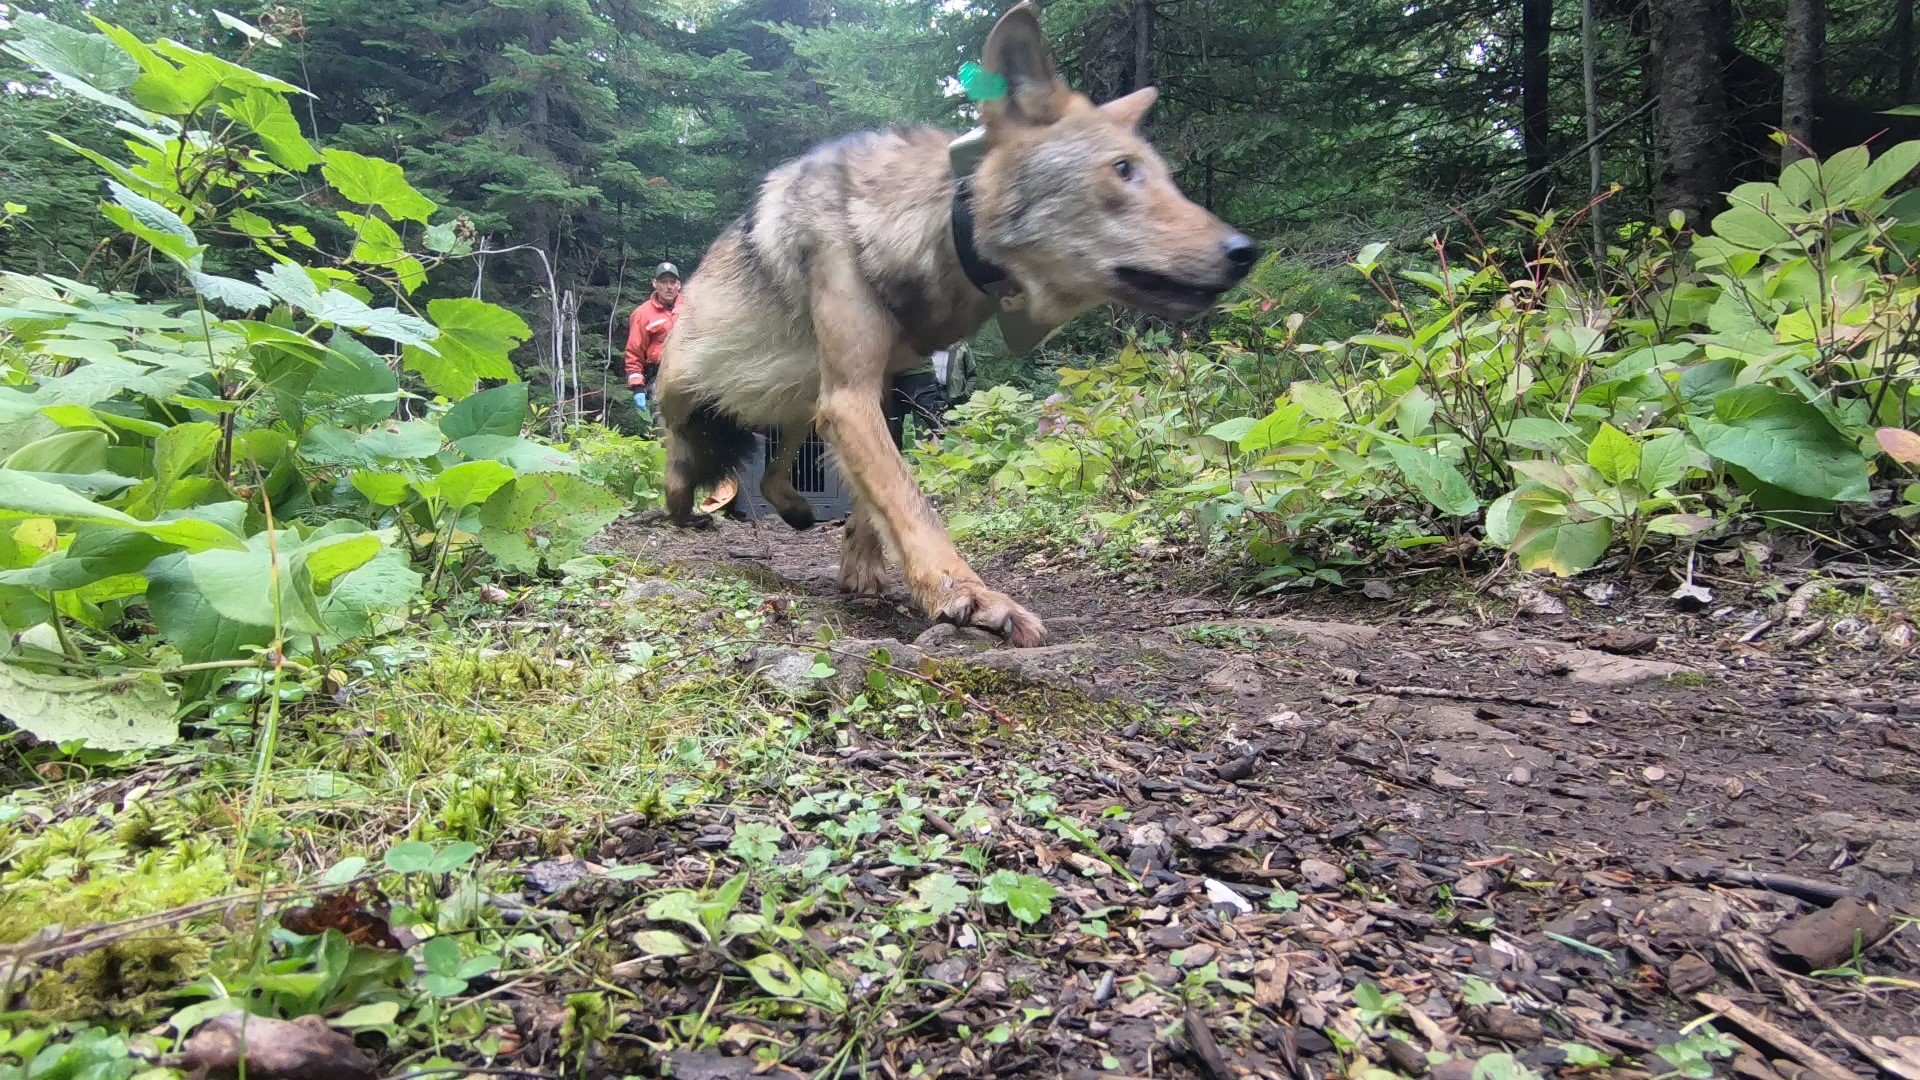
(640,402)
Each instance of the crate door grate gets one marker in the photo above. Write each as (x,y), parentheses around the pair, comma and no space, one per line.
(814,477)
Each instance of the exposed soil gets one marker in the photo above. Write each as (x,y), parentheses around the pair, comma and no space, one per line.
(1603,816)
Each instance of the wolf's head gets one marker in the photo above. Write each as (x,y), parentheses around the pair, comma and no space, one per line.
(1075,204)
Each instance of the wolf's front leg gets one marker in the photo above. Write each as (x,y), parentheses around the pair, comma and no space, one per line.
(942,583)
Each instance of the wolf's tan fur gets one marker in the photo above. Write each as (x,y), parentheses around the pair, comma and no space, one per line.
(844,272)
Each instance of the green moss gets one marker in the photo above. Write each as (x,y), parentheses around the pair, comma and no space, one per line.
(1045,711)
(125,981)
(159,882)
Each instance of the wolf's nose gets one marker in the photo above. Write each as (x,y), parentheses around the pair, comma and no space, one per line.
(1241,252)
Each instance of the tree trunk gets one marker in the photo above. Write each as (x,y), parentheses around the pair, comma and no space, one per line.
(1903,47)
(1536,33)
(1804,70)
(1591,91)
(1142,44)
(1694,39)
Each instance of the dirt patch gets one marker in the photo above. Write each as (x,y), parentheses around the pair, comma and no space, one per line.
(1426,833)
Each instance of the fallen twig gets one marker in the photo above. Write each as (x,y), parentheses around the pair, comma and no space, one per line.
(1495,696)
(1200,1037)
(1776,1036)
(1696,870)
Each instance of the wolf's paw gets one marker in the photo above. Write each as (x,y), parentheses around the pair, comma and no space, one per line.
(970,603)
(863,577)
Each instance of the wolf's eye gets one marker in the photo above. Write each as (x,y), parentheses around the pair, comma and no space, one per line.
(1125,168)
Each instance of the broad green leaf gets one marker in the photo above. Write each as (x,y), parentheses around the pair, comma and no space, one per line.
(1680,524)
(374,600)
(1893,166)
(155,224)
(1751,228)
(660,943)
(271,119)
(65,452)
(1277,428)
(341,308)
(409,857)
(1614,454)
(499,410)
(1318,400)
(942,894)
(1232,431)
(239,295)
(126,712)
(1560,546)
(1663,462)
(775,974)
(1028,898)
(96,554)
(325,560)
(252,32)
(1414,413)
(177,451)
(403,440)
(546,516)
(378,1014)
(1785,442)
(1384,342)
(476,340)
(23,496)
(1538,433)
(372,182)
(522,455)
(290,284)
(381,488)
(1369,256)
(55,47)
(471,483)
(1437,481)
(1504,515)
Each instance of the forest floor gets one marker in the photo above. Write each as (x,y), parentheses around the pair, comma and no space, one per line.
(1520,832)
(692,822)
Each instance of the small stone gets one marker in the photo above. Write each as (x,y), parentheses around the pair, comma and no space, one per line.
(1623,641)
(1506,1025)
(1237,769)
(1170,937)
(952,971)
(1407,1059)
(1827,938)
(1322,875)
(1474,886)
(1689,974)
(1521,775)
(1196,956)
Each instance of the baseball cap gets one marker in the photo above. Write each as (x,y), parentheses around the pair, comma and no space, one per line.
(665,269)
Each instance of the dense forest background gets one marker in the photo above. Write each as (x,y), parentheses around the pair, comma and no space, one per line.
(609,134)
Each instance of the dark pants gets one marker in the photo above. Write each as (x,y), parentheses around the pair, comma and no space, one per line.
(919,393)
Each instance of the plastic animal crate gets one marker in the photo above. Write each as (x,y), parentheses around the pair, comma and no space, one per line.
(814,477)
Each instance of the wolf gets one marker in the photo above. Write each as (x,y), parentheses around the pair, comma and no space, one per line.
(857,259)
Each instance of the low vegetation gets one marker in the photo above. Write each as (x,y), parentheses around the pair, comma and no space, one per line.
(1761,374)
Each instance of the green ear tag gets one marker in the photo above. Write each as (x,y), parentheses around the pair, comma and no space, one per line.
(980,84)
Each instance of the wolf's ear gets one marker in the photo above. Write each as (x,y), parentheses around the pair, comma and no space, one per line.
(1130,110)
(1018,52)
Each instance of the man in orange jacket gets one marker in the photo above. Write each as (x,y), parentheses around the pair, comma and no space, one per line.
(647,334)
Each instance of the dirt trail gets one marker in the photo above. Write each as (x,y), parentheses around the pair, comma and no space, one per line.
(1538,830)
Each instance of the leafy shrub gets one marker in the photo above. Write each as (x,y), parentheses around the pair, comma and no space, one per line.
(635,468)
(1762,369)
(183,492)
